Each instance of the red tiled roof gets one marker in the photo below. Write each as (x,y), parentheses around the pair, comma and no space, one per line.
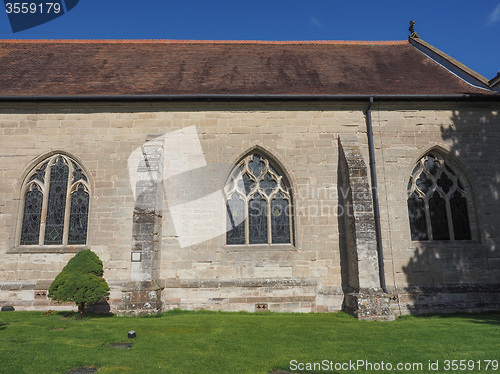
(165,67)
(181,41)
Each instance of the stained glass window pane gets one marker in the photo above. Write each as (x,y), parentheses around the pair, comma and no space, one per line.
(256,165)
(237,172)
(439,221)
(445,183)
(248,184)
(39,174)
(460,216)
(57,203)
(432,165)
(268,184)
(30,231)
(78,217)
(424,183)
(418,225)
(78,174)
(257,220)
(235,221)
(280,220)
(283,185)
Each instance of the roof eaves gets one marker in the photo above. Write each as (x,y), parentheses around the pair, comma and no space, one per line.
(456,67)
(257,97)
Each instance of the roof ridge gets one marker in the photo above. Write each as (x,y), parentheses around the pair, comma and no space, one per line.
(189,41)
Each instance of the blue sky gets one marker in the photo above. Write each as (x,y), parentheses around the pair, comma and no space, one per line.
(467,30)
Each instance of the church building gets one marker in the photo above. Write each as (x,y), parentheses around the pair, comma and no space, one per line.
(302,176)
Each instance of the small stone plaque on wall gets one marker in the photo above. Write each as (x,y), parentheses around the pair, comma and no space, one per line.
(136,256)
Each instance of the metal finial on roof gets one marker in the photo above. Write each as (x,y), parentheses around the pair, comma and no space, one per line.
(413,33)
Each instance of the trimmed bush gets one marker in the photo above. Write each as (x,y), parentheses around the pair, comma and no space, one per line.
(85,261)
(80,281)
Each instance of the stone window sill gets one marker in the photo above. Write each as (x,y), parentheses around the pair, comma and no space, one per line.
(260,247)
(48,249)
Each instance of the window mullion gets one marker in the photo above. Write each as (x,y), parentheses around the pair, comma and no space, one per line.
(268,214)
(247,225)
(428,217)
(450,218)
(67,207)
(45,202)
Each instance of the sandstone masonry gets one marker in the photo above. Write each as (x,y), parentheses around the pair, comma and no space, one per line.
(322,149)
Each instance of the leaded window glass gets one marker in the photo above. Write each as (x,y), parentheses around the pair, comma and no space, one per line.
(54,225)
(235,223)
(259,203)
(78,216)
(55,203)
(439,207)
(32,215)
(280,223)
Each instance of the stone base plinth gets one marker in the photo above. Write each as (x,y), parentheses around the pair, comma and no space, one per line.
(141,298)
(369,305)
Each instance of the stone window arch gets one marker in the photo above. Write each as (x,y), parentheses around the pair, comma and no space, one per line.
(259,203)
(55,198)
(439,200)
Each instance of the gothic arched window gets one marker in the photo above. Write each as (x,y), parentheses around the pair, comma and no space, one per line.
(259,203)
(55,203)
(439,203)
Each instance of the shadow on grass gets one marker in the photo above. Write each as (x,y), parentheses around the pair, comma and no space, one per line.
(3,325)
(75,315)
(175,312)
(491,318)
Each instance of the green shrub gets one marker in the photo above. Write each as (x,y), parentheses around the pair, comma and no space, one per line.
(80,281)
(87,262)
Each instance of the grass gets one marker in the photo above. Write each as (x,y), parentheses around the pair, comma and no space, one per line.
(218,342)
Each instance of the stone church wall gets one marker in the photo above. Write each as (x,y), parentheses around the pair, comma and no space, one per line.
(440,276)
(303,139)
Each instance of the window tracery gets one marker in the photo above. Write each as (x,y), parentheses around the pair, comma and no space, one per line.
(439,204)
(259,203)
(55,203)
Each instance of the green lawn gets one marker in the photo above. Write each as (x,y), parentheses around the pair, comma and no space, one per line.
(211,342)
